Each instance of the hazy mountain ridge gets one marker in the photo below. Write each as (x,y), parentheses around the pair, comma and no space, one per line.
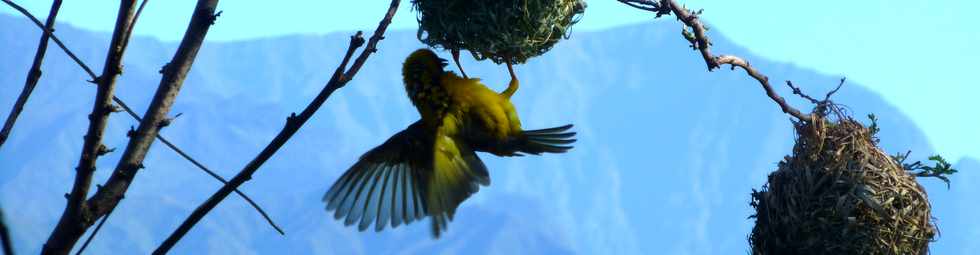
(667,154)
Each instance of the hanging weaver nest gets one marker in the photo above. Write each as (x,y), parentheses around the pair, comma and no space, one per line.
(840,194)
(499,30)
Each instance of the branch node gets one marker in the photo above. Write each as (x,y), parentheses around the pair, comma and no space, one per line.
(131,132)
(167,121)
(104,150)
(163,68)
(214,17)
(799,92)
(114,108)
(96,81)
(88,169)
(357,40)
(110,108)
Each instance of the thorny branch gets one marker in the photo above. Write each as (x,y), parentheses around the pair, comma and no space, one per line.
(293,123)
(136,116)
(33,76)
(695,32)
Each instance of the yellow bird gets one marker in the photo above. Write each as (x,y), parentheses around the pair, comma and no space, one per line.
(429,168)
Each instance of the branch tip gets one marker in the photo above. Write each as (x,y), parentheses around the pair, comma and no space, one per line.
(214,17)
(103,150)
(163,68)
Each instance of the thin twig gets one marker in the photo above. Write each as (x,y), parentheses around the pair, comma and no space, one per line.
(799,92)
(821,104)
(53,37)
(699,41)
(33,76)
(136,116)
(8,245)
(214,175)
(293,123)
(94,232)
(831,93)
(76,219)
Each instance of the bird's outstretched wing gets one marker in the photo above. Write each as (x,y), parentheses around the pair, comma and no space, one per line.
(415,173)
(386,184)
(457,173)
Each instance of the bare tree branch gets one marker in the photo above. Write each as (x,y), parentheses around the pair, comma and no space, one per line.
(33,76)
(8,245)
(699,41)
(109,196)
(293,124)
(74,220)
(136,116)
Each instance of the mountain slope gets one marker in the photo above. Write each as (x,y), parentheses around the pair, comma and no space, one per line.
(666,159)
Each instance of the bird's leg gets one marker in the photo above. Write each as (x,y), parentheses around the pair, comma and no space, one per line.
(455,53)
(514,83)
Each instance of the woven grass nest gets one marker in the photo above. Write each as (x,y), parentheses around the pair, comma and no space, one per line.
(839,193)
(499,30)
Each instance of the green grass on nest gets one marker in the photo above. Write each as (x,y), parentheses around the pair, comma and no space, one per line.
(499,30)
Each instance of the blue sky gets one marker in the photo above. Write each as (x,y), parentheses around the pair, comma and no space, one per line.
(916,53)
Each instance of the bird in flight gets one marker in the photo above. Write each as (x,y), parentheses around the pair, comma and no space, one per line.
(431,167)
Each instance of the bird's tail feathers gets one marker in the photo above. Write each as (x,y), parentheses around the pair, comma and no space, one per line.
(552,140)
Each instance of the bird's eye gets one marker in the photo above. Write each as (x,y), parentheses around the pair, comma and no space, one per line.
(443,62)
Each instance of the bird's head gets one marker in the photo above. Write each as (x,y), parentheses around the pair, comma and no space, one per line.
(426,61)
(421,73)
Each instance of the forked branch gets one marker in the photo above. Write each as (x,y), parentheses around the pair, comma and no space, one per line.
(341,76)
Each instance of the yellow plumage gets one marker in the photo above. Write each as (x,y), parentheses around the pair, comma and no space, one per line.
(431,167)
